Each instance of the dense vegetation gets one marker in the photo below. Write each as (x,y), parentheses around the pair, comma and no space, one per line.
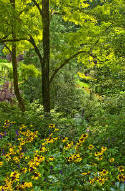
(62,99)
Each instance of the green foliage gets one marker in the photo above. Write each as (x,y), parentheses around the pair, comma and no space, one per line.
(53,158)
(106,121)
(3,60)
(6,73)
(67,97)
(110,79)
(1,48)
(34,115)
(31,89)
(28,71)
(30,57)
(5,66)
(29,80)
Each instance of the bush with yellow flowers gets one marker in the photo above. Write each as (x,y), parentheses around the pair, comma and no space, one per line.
(30,163)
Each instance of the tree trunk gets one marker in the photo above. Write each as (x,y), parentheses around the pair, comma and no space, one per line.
(46,56)
(14,64)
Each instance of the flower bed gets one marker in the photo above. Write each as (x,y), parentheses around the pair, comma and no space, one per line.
(28,162)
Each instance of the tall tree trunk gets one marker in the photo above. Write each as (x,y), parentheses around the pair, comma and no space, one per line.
(14,64)
(46,56)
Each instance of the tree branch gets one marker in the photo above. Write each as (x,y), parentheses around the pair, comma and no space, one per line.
(73,56)
(27,8)
(38,6)
(66,61)
(8,48)
(31,40)
(4,37)
(11,40)
(53,12)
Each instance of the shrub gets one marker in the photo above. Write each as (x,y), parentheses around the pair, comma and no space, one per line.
(6,92)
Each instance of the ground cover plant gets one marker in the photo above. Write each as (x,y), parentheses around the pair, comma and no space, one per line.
(28,162)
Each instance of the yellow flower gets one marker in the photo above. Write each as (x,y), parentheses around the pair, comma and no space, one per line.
(65,139)
(69,159)
(56,130)
(21,155)
(31,163)
(31,169)
(23,170)
(76,156)
(99,158)
(84,173)
(18,151)
(49,140)
(68,146)
(43,144)
(43,149)
(104,172)
(38,159)
(27,157)
(101,180)
(76,147)
(22,127)
(91,181)
(82,140)
(85,136)
(8,185)
(78,159)
(51,158)
(90,147)
(121,168)
(52,126)
(78,144)
(20,139)
(98,153)
(16,159)
(111,160)
(36,175)
(120,177)
(28,184)
(11,150)
(36,151)
(56,138)
(14,176)
(103,148)
(123,179)
(51,135)
(1,163)
(8,157)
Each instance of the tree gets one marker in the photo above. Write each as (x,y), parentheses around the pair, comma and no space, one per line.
(90,29)
(14,64)
(11,8)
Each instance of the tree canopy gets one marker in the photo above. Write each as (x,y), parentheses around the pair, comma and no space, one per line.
(92,32)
